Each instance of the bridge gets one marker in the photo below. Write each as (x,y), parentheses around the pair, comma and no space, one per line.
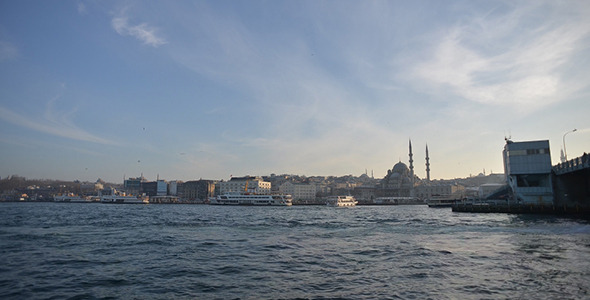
(571,194)
(573,165)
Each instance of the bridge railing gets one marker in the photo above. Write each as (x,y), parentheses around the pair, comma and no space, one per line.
(575,164)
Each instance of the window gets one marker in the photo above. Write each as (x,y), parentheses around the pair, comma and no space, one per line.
(517,152)
(528,152)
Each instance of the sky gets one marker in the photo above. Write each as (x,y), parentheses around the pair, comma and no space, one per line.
(184,90)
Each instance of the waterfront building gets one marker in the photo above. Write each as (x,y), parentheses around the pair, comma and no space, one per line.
(246,184)
(154,188)
(534,186)
(527,166)
(149,188)
(439,190)
(299,191)
(134,185)
(161,188)
(198,190)
(365,194)
(173,187)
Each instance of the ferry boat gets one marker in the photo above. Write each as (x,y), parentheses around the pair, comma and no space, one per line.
(122,199)
(252,199)
(341,201)
(439,202)
(117,197)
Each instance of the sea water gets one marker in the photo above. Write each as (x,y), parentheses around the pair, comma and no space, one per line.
(108,251)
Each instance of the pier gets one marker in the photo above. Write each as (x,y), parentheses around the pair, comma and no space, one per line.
(516,208)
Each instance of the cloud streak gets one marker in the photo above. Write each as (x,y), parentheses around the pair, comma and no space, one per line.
(496,68)
(54,124)
(143,32)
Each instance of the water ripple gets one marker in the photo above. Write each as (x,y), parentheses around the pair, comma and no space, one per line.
(95,251)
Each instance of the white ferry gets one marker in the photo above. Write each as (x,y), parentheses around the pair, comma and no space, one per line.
(117,197)
(341,201)
(252,199)
(122,199)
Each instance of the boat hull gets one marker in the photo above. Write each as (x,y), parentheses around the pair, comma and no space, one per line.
(252,200)
(123,200)
(441,203)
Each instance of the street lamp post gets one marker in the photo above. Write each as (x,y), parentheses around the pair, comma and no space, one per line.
(565,152)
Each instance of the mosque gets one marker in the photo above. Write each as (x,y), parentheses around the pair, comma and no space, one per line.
(400,180)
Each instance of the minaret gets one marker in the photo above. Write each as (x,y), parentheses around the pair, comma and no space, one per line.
(427,165)
(411,162)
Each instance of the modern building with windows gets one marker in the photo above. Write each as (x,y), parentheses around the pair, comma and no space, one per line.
(198,191)
(161,187)
(527,166)
(134,186)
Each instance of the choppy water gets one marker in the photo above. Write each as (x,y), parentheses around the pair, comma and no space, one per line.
(87,251)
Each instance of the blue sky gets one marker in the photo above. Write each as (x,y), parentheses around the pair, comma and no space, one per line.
(209,89)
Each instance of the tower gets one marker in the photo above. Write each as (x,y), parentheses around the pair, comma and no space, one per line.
(427,165)
(411,163)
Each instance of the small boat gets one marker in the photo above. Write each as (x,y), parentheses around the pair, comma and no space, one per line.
(252,199)
(341,201)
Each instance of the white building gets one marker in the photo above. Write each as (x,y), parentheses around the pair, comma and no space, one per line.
(247,184)
(527,166)
(299,191)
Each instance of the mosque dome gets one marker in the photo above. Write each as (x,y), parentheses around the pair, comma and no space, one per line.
(398,177)
(400,168)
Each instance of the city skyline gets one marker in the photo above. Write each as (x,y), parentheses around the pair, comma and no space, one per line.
(210,89)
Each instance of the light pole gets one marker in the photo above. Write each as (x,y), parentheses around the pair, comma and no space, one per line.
(565,152)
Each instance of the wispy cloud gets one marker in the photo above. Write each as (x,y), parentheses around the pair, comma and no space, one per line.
(53,123)
(143,32)
(82,10)
(307,103)
(339,85)
(481,60)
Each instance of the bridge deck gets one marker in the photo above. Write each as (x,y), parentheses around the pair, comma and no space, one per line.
(573,165)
